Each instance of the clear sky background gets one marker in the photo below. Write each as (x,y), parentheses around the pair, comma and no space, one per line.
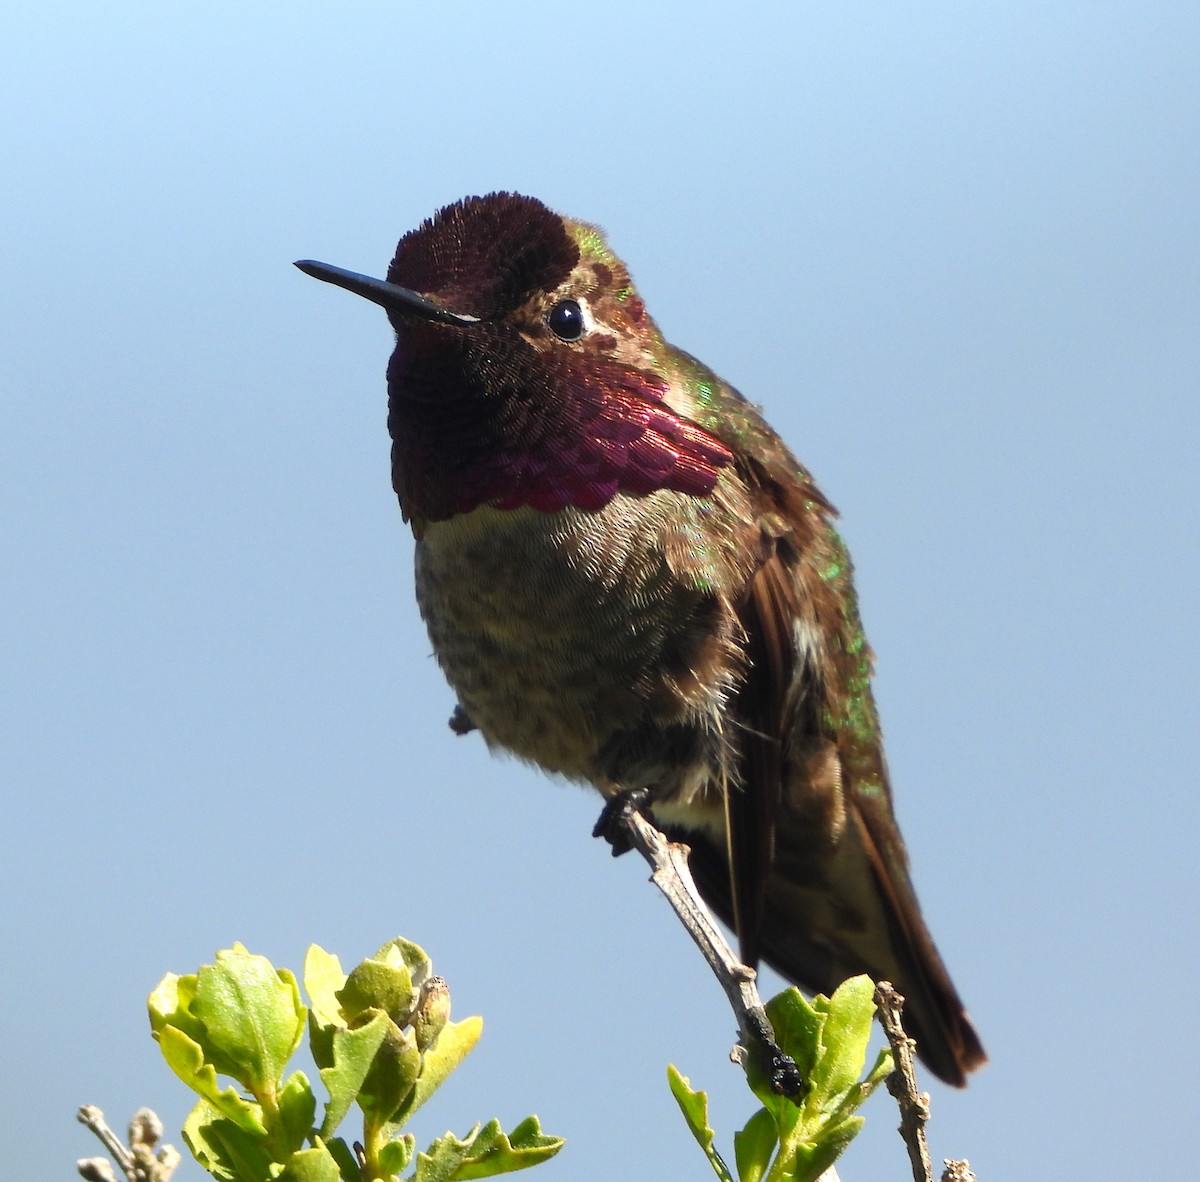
(953,250)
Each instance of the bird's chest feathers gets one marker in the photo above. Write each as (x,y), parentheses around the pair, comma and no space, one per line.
(525,584)
(551,627)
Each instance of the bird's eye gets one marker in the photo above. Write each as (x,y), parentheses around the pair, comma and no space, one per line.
(566,320)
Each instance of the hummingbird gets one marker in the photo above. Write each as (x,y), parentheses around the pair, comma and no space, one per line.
(630,581)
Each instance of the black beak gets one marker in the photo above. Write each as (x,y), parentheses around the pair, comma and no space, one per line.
(390,296)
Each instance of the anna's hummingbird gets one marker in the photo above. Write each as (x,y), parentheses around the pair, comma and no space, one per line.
(628,579)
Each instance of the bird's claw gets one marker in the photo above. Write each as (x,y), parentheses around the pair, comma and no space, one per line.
(460,722)
(611,823)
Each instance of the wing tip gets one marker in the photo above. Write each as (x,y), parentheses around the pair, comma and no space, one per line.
(955,1053)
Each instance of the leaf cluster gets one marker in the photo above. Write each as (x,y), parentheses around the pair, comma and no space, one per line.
(382,1041)
(798,1139)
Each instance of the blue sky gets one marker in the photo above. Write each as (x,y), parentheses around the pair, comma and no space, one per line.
(953,250)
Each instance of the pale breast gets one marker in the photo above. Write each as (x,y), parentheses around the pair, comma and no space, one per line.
(572,639)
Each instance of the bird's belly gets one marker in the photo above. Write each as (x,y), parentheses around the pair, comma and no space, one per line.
(557,631)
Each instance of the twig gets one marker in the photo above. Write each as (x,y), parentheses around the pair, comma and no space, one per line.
(140,1162)
(669,862)
(957,1171)
(91,1116)
(902,1083)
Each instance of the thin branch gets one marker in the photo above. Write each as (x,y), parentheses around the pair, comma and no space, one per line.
(91,1116)
(671,874)
(902,1083)
(140,1161)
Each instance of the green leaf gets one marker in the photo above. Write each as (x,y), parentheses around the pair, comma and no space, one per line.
(854,1097)
(311,1165)
(694,1106)
(297,1108)
(242,1018)
(395,1155)
(227,1152)
(352,1053)
(170,1004)
(754,1145)
(391,1077)
(797,1025)
(525,1146)
(252,1016)
(798,1140)
(845,1033)
(813,1159)
(440,1161)
(323,977)
(390,980)
(412,956)
(884,1066)
(485,1152)
(452,1047)
(373,985)
(828,1039)
(186,1059)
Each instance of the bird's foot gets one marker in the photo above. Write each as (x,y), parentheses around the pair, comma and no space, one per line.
(460,722)
(612,824)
